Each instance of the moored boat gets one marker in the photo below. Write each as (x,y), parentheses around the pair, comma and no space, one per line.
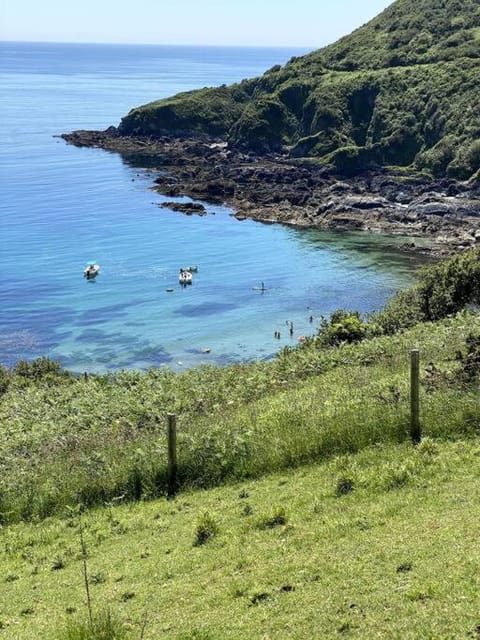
(91,270)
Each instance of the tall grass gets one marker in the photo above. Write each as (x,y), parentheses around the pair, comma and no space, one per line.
(104,626)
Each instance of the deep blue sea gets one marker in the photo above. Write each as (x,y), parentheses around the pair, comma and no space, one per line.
(62,206)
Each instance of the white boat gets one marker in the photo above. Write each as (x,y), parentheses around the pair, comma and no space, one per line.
(91,270)
(185,277)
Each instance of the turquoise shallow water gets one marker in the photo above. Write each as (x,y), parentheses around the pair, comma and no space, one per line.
(62,206)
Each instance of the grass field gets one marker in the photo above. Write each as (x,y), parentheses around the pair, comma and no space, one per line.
(380,544)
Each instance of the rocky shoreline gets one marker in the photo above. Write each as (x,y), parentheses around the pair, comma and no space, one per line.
(443,214)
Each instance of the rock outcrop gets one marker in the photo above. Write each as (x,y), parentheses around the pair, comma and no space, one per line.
(275,188)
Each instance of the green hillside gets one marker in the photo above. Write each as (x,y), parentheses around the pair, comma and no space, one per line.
(402,90)
(292,557)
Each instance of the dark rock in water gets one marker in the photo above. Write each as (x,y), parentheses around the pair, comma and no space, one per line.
(188,208)
(275,189)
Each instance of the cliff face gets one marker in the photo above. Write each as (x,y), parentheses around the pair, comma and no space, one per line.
(402,90)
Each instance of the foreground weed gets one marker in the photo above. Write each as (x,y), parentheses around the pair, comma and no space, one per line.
(307,405)
(104,626)
(397,477)
(276,518)
(417,544)
(344,486)
(207,528)
(85,573)
(428,448)
(258,597)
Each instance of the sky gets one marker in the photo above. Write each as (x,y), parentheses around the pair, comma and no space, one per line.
(289,23)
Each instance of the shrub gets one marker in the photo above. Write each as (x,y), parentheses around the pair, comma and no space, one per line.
(402,311)
(427,447)
(466,161)
(442,289)
(343,326)
(473,154)
(4,380)
(470,362)
(37,369)
(437,158)
(451,285)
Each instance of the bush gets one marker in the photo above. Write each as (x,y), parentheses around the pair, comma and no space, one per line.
(352,159)
(344,486)
(37,369)
(451,285)
(276,518)
(402,311)
(466,162)
(343,326)
(4,380)
(442,290)
(437,158)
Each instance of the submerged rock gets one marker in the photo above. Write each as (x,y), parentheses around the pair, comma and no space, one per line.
(189,208)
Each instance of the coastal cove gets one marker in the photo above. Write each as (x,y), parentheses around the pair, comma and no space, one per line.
(240,321)
(64,205)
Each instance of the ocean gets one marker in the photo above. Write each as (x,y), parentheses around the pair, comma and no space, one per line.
(62,206)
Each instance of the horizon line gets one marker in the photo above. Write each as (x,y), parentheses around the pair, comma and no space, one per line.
(164,44)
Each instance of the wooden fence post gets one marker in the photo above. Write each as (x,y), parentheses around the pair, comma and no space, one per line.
(415,432)
(172,454)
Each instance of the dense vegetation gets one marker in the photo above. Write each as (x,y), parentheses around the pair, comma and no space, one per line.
(402,90)
(67,440)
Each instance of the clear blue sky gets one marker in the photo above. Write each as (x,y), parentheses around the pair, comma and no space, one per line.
(304,23)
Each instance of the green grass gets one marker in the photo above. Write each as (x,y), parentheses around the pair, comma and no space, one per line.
(103,626)
(292,557)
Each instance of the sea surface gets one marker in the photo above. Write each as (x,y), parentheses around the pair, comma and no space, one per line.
(62,206)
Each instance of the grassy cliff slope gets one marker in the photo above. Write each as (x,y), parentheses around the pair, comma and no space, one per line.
(403,89)
(291,556)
